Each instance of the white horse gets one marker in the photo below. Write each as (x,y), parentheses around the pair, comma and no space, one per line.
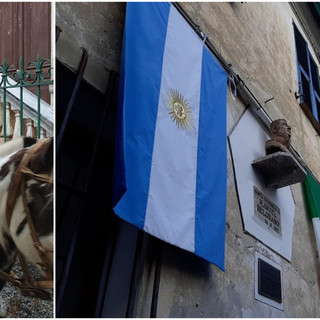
(26,212)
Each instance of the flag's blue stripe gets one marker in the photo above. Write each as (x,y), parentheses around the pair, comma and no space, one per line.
(119,179)
(145,34)
(212,163)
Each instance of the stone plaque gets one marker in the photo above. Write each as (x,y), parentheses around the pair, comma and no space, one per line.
(266,210)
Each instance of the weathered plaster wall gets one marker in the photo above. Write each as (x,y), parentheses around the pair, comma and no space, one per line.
(257,39)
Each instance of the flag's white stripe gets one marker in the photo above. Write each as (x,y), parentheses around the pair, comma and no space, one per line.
(170,213)
(316,228)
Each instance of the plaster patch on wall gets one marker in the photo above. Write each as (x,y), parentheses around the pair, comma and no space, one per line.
(269,253)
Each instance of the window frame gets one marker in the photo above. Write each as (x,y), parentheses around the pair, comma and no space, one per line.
(312,111)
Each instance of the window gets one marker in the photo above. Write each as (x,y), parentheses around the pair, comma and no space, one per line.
(308,77)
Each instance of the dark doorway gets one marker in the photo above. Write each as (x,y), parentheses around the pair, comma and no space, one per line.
(85,224)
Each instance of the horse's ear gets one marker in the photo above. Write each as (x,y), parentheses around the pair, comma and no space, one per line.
(48,152)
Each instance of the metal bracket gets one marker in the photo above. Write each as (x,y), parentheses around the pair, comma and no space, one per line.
(297,96)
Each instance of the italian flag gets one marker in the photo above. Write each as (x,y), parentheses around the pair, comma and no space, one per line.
(312,195)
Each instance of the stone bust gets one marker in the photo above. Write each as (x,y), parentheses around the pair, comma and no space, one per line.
(280,137)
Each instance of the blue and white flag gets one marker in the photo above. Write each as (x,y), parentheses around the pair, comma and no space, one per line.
(171,163)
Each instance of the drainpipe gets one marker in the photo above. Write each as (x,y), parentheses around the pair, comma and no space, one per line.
(251,102)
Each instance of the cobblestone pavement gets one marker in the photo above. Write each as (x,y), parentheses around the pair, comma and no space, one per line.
(15,305)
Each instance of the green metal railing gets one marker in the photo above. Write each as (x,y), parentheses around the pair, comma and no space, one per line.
(34,76)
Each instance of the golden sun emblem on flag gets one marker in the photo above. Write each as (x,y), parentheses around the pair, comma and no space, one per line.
(180,112)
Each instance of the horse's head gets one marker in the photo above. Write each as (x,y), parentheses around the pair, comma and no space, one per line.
(31,225)
(26,206)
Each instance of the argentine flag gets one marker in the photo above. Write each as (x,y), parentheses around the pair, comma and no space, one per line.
(170,163)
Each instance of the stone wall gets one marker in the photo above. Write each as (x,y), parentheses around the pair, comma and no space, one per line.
(97,27)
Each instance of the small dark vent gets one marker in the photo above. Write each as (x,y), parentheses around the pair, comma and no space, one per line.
(269,281)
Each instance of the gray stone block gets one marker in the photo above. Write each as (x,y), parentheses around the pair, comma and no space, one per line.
(280,169)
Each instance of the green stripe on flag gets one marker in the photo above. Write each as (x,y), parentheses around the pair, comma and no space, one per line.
(312,196)
(317,5)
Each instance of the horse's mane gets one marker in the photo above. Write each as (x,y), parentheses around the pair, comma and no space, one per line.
(15,145)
